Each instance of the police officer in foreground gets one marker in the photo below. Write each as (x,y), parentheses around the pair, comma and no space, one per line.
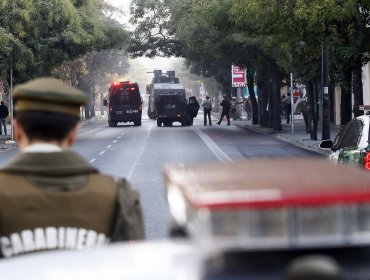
(50,197)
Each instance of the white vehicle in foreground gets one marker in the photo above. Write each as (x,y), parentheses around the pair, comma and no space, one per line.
(245,220)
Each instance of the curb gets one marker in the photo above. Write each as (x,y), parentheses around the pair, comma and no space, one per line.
(282,137)
(4,146)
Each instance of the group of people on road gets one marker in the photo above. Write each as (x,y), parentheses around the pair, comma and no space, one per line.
(227,108)
(207,109)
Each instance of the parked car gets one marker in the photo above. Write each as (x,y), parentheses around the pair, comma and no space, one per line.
(352,144)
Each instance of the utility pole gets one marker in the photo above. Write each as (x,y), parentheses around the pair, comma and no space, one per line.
(11,102)
(292,101)
(325,132)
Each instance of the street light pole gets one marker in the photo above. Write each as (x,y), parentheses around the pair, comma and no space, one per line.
(291,101)
(11,102)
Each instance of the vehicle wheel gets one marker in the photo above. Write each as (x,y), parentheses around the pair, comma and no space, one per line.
(159,122)
(139,122)
(189,121)
(183,122)
(110,124)
(115,124)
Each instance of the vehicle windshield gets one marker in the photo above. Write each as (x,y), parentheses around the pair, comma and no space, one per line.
(349,136)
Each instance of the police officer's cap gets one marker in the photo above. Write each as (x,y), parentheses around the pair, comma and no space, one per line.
(48,95)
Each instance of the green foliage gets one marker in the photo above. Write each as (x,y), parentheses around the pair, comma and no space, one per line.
(47,33)
(152,18)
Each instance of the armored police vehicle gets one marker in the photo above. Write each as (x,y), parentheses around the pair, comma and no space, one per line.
(124,103)
(167,100)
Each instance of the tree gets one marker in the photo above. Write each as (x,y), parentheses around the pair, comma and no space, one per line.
(274,38)
(93,73)
(52,32)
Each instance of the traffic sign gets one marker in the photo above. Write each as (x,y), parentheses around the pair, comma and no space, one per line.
(238,76)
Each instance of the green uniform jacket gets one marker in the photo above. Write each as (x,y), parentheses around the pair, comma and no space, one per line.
(58,201)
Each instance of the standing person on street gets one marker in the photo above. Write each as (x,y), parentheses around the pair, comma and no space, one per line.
(4,112)
(225,110)
(207,109)
(50,197)
(305,110)
(234,109)
(288,107)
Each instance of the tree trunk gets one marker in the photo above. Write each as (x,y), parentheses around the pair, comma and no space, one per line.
(357,89)
(269,104)
(345,99)
(275,100)
(264,103)
(357,63)
(92,102)
(310,91)
(252,95)
(87,110)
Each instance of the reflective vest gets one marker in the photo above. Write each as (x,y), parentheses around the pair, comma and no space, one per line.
(34,219)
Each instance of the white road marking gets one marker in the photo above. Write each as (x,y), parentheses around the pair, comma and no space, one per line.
(102,152)
(214,148)
(114,141)
(109,146)
(139,154)
(91,161)
(91,131)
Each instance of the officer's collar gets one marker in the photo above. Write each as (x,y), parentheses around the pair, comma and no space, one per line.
(64,163)
(42,148)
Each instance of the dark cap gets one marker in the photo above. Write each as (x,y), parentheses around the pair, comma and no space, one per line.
(48,95)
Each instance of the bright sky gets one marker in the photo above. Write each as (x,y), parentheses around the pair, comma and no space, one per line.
(149,64)
(125,4)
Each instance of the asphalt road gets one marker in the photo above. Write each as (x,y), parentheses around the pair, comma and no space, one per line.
(139,154)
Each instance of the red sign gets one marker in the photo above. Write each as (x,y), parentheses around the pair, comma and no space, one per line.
(296,93)
(238,76)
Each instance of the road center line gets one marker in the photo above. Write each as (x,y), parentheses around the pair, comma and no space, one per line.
(109,146)
(114,141)
(91,161)
(139,154)
(214,148)
(102,152)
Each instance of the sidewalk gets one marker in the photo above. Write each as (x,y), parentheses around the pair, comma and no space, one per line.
(5,142)
(299,138)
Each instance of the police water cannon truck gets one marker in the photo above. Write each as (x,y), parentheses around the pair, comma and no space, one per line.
(167,100)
